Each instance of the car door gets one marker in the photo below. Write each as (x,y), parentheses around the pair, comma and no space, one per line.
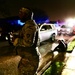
(44,32)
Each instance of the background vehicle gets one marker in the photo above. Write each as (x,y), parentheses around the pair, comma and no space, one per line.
(47,32)
(73,30)
(65,30)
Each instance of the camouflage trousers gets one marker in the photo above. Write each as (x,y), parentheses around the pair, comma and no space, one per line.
(29,62)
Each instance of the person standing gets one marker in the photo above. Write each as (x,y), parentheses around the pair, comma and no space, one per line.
(26,43)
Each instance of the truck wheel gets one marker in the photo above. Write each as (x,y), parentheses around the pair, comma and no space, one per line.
(52,38)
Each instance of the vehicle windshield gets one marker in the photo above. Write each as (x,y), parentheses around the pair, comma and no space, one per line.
(65,26)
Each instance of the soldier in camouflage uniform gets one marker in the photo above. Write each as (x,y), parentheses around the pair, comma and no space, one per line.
(26,44)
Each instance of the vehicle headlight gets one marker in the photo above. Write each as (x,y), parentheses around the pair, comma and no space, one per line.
(68,30)
(6,38)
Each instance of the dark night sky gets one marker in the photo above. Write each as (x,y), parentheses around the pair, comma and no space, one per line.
(55,9)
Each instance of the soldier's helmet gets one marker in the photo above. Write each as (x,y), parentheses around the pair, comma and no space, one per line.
(25,14)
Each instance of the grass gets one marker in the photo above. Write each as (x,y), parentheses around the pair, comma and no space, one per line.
(54,69)
(71,45)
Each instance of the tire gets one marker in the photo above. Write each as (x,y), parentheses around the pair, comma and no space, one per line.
(52,38)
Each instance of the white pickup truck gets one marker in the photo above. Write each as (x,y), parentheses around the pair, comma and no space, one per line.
(47,31)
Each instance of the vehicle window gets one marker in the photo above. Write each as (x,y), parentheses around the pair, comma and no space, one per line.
(50,27)
(46,27)
(43,28)
(63,26)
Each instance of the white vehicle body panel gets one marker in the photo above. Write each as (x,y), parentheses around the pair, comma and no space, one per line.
(47,34)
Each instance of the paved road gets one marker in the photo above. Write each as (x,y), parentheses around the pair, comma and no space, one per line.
(3,43)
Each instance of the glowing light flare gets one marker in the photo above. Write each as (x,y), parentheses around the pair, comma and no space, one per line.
(21,23)
(70,22)
(55,53)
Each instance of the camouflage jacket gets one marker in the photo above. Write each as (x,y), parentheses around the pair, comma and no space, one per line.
(27,34)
